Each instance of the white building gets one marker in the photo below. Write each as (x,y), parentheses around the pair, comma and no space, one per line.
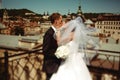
(109,25)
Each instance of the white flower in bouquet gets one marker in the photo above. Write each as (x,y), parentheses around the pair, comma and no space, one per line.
(62,52)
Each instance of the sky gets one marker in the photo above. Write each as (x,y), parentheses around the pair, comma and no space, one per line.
(63,6)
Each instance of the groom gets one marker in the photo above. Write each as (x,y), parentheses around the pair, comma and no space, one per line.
(51,62)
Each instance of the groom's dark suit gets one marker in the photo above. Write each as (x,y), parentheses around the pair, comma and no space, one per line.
(51,62)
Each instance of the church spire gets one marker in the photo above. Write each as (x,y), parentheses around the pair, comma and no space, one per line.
(79,12)
(0,4)
(5,15)
(69,15)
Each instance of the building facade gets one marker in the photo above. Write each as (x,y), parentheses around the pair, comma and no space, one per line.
(109,25)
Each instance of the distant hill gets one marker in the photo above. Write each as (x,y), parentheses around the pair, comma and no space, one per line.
(15,12)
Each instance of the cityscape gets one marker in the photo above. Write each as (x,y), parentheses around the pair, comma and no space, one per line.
(21,36)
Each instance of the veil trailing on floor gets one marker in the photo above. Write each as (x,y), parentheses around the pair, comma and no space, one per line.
(83,35)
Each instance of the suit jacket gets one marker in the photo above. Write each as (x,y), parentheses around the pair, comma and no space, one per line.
(51,62)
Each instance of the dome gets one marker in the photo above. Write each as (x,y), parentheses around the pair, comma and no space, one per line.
(88,21)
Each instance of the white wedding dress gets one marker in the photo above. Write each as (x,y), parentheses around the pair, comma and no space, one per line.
(73,68)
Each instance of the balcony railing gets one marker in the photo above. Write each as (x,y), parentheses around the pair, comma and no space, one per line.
(106,62)
(19,64)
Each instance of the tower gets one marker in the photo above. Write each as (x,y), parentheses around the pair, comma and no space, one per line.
(68,15)
(5,15)
(79,12)
(0,4)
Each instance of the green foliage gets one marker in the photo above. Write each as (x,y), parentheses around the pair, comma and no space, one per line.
(18,30)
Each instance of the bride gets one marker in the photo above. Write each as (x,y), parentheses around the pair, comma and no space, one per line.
(73,35)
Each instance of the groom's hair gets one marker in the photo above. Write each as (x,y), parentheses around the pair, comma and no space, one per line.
(54,17)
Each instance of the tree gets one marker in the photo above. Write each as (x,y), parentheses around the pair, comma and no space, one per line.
(18,31)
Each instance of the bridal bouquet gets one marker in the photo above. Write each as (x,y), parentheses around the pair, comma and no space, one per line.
(62,52)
